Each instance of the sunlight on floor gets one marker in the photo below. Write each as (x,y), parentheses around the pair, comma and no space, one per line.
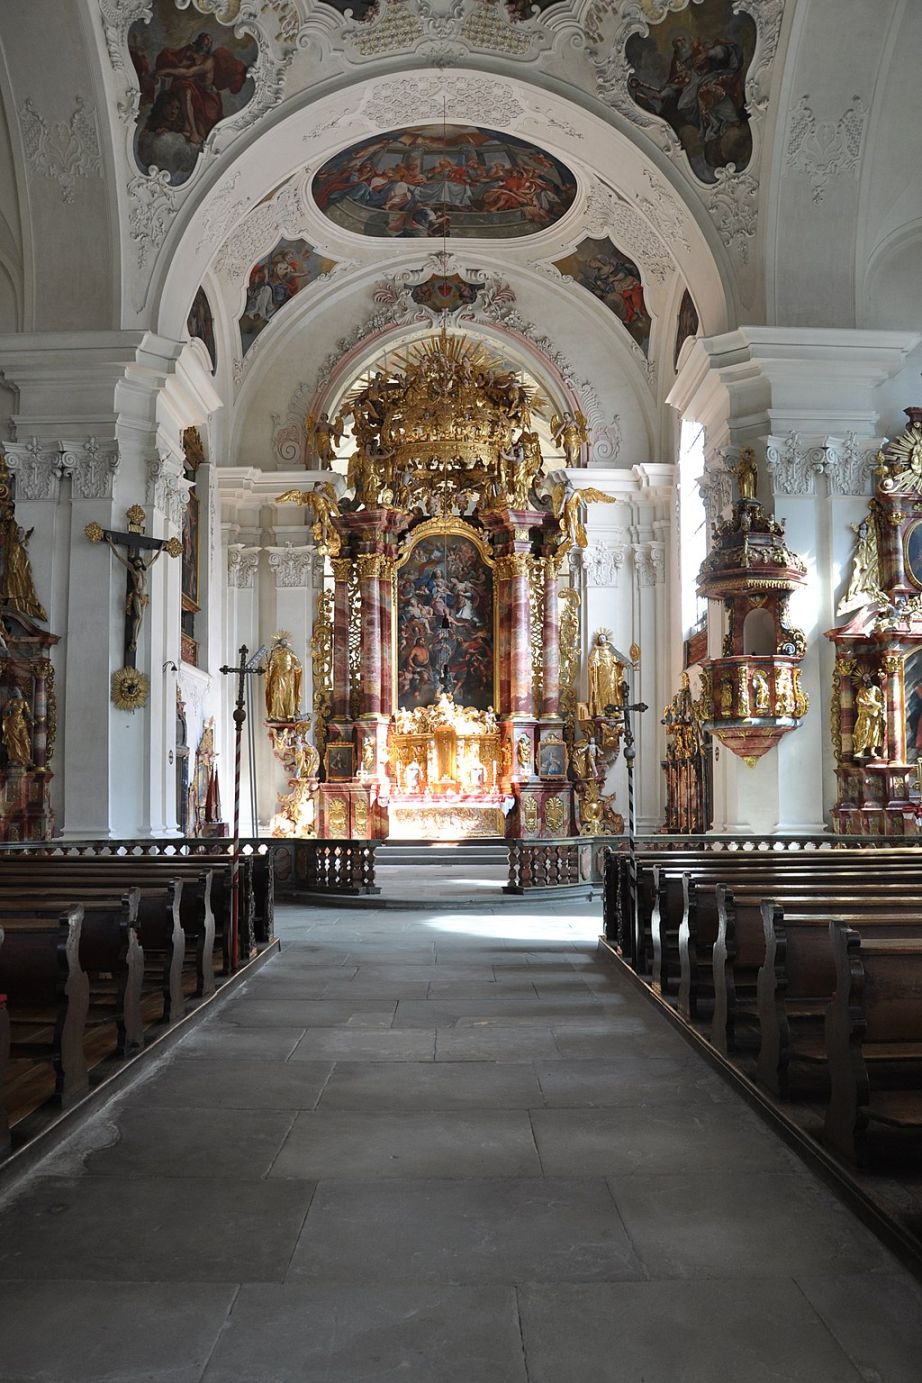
(560,928)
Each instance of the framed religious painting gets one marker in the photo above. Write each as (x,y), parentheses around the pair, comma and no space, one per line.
(552,758)
(912,552)
(339,761)
(912,682)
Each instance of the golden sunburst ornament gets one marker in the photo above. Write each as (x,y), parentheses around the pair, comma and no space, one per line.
(130,689)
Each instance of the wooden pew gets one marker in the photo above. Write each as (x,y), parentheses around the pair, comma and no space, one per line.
(46,986)
(739,950)
(110,953)
(873,1040)
(160,930)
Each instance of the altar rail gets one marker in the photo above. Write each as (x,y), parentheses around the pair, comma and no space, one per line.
(544,864)
(332,866)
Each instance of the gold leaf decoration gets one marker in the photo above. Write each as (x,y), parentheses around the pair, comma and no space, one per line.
(130,689)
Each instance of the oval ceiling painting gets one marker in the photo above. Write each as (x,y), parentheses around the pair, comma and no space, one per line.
(435,180)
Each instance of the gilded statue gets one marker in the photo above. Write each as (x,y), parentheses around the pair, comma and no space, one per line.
(864,583)
(586,759)
(283,681)
(761,695)
(565,504)
(523,752)
(570,431)
(517,477)
(870,723)
(747,475)
(17,739)
(605,675)
(17,587)
(323,503)
(726,696)
(324,437)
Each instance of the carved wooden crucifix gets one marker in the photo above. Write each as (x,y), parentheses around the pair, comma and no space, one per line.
(136,543)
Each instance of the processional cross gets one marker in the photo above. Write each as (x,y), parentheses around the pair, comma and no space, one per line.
(136,543)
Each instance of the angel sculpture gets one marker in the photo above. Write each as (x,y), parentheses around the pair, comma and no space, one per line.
(323,437)
(323,503)
(864,585)
(565,504)
(570,432)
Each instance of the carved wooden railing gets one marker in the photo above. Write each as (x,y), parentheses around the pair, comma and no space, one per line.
(333,866)
(537,864)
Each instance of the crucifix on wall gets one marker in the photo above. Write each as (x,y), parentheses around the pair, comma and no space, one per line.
(130,549)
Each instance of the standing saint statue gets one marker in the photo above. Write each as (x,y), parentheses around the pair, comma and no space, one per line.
(283,681)
(17,740)
(17,587)
(605,675)
(870,723)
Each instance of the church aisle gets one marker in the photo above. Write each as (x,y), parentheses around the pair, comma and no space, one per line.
(448,1148)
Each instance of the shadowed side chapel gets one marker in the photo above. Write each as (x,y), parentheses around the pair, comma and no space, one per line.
(460,691)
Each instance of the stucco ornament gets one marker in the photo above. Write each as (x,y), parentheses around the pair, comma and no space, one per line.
(824,149)
(64,150)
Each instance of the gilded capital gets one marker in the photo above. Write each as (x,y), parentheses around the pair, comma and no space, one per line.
(369,564)
(513,564)
(342,568)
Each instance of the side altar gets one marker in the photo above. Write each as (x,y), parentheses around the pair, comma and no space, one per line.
(439,707)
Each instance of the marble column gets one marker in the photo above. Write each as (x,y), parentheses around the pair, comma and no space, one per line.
(550,699)
(386,601)
(369,569)
(516,609)
(342,570)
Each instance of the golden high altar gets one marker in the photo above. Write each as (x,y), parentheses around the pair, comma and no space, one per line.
(440,710)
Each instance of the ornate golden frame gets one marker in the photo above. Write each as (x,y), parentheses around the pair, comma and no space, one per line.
(907,534)
(443,526)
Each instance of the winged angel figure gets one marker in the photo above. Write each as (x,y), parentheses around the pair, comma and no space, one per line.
(323,503)
(565,504)
(570,431)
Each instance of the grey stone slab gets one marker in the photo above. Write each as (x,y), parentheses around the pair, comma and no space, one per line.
(607,1142)
(263,1014)
(492,1042)
(113,1332)
(449,990)
(417,1334)
(279,972)
(307,955)
(457,971)
(216,1084)
(876,1319)
(431,1086)
(354,1044)
(447,1143)
(503,1230)
(197,1143)
(445,1013)
(622,1080)
(760,1331)
(736,1223)
(152,1229)
(230,1043)
(627,1036)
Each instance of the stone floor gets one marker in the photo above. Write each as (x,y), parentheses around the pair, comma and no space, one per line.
(441,1149)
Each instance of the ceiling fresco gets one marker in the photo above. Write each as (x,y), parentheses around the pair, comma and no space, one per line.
(451,180)
(276,279)
(615,280)
(690,70)
(192,74)
(200,324)
(686,325)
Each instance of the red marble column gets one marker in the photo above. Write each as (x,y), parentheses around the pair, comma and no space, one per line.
(342,568)
(550,697)
(895,749)
(369,568)
(386,602)
(514,568)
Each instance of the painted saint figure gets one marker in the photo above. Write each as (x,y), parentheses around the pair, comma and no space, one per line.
(283,681)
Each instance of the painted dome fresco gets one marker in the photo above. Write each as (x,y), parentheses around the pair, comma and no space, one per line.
(452,180)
